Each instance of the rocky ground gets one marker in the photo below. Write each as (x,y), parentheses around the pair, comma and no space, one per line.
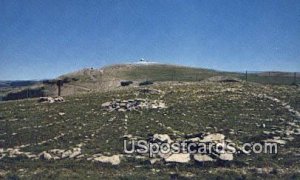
(82,136)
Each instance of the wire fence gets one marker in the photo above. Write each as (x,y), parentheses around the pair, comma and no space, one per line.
(271,77)
(263,77)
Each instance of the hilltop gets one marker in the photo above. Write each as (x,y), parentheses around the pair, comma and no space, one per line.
(109,77)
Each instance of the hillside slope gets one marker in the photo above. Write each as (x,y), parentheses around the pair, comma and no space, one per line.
(109,77)
(77,133)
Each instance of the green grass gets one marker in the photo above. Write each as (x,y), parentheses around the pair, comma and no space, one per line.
(193,108)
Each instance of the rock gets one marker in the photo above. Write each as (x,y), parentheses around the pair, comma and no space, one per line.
(58,152)
(106,104)
(162,138)
(122,110)
(114,160)
(133,104)
(46,99)
(76,152)
(195,139)
(51,99)
(66,154)
(213,138)
(226,156)
(178,158)
(13,152)
(59,99)
(61,113)
(45,155)
(203,158)
(278,141)
(154,160)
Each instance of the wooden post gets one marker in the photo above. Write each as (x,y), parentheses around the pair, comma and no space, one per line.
(246,76)
(59,83)
(27,93)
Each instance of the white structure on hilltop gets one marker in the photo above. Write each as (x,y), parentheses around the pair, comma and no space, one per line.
(143,61)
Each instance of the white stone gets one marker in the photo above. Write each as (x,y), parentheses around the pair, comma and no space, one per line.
(226,156)
(162,138)
(213,137)
(45,155)
(114,160)
(202,158)
(179,158)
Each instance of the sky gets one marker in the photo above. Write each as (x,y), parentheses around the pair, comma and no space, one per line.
(42,39)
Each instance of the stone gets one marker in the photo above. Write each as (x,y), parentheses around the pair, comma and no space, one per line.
(61,113)
(76,152)
(45,155)
(203,158)
(162,138)
(213,137)
(178,158)
(122,110)
(133,104)
(154,160)
(59,99)
(51,99)
(66,154)
(226,156)
(114,160)
(278,141)
(106,104)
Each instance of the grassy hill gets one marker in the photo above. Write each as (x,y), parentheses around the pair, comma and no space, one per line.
(140,72)
(108,78)
(243,112)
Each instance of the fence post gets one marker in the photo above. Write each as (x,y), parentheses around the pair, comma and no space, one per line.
(246,76)
(173,75)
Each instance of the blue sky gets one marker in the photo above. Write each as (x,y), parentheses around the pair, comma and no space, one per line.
(44,39)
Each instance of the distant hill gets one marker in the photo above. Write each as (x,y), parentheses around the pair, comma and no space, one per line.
(109,77)
(17,83)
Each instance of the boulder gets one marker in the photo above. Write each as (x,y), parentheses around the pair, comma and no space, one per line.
(162,138)
(76,152)
(106,104)
(203,158)
(114,160)
(213,138)
(66,154)
(226,156)
(44,155)
(277,141)
(178,158)
(154,160)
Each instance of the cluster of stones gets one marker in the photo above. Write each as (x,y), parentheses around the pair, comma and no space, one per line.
(281,136)
(53,154)
(51,99)
(133,104)
(57,154)
(212,154)
(113,160)
(15,152)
